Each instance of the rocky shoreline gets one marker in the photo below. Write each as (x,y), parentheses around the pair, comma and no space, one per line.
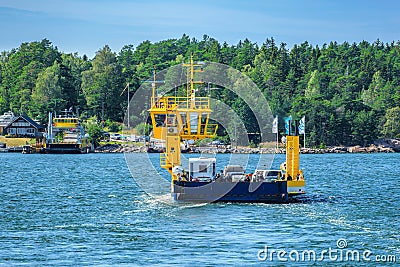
(379,146)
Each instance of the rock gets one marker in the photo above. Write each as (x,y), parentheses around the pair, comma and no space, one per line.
(381,145)
(371,149)
(393,144)
(339,149)
(383,149)
(354,149)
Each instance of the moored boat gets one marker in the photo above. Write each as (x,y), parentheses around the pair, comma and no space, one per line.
(66,135)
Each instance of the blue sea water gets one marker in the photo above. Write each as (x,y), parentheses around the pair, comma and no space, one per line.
(87,210)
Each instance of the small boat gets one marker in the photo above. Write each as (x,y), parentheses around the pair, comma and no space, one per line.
(178,119)
(3,147)
(65,135)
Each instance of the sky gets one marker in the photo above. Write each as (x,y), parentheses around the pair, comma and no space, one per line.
(86,26)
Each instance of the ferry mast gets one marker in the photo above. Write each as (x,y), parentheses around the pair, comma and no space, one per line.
(176,119)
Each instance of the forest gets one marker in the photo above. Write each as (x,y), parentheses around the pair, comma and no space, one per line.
(349,93)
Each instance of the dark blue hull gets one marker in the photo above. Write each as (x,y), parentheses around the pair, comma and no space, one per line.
(246,192)
(63,148)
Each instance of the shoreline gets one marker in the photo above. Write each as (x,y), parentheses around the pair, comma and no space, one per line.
(379,146)
(123,148)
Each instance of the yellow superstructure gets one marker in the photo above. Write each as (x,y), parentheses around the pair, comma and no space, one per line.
(65,122)
(176,119)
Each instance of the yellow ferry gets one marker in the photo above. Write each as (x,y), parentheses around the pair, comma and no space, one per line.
(177,119)
(65,135)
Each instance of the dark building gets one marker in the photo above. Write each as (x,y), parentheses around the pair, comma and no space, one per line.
(23,126)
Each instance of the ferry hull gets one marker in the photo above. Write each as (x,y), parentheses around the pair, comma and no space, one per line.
(60,148)
(245,192)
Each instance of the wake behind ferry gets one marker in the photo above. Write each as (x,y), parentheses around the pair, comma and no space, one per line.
(178,119)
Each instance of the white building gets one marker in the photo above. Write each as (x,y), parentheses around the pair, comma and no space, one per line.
(5,119)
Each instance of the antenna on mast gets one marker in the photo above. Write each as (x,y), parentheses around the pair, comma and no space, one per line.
(191,90)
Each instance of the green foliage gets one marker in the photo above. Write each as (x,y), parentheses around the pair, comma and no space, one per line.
(252,144)
(203,142)
(19,72)
(349,93)
(95,134)
(102,85)
(391,128)
(113,126)
(224,139)
(47,92)
(143,128)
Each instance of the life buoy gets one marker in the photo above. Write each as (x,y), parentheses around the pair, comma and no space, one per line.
(300,177)
(283,166)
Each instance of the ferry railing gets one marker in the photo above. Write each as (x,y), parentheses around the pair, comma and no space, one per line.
(206,131)
(171,102)
(212,129)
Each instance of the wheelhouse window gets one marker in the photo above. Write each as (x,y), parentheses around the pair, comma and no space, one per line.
(160,120)
(202,168)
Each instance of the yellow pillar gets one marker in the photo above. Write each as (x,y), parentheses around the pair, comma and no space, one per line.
(292,156)
(173,152)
